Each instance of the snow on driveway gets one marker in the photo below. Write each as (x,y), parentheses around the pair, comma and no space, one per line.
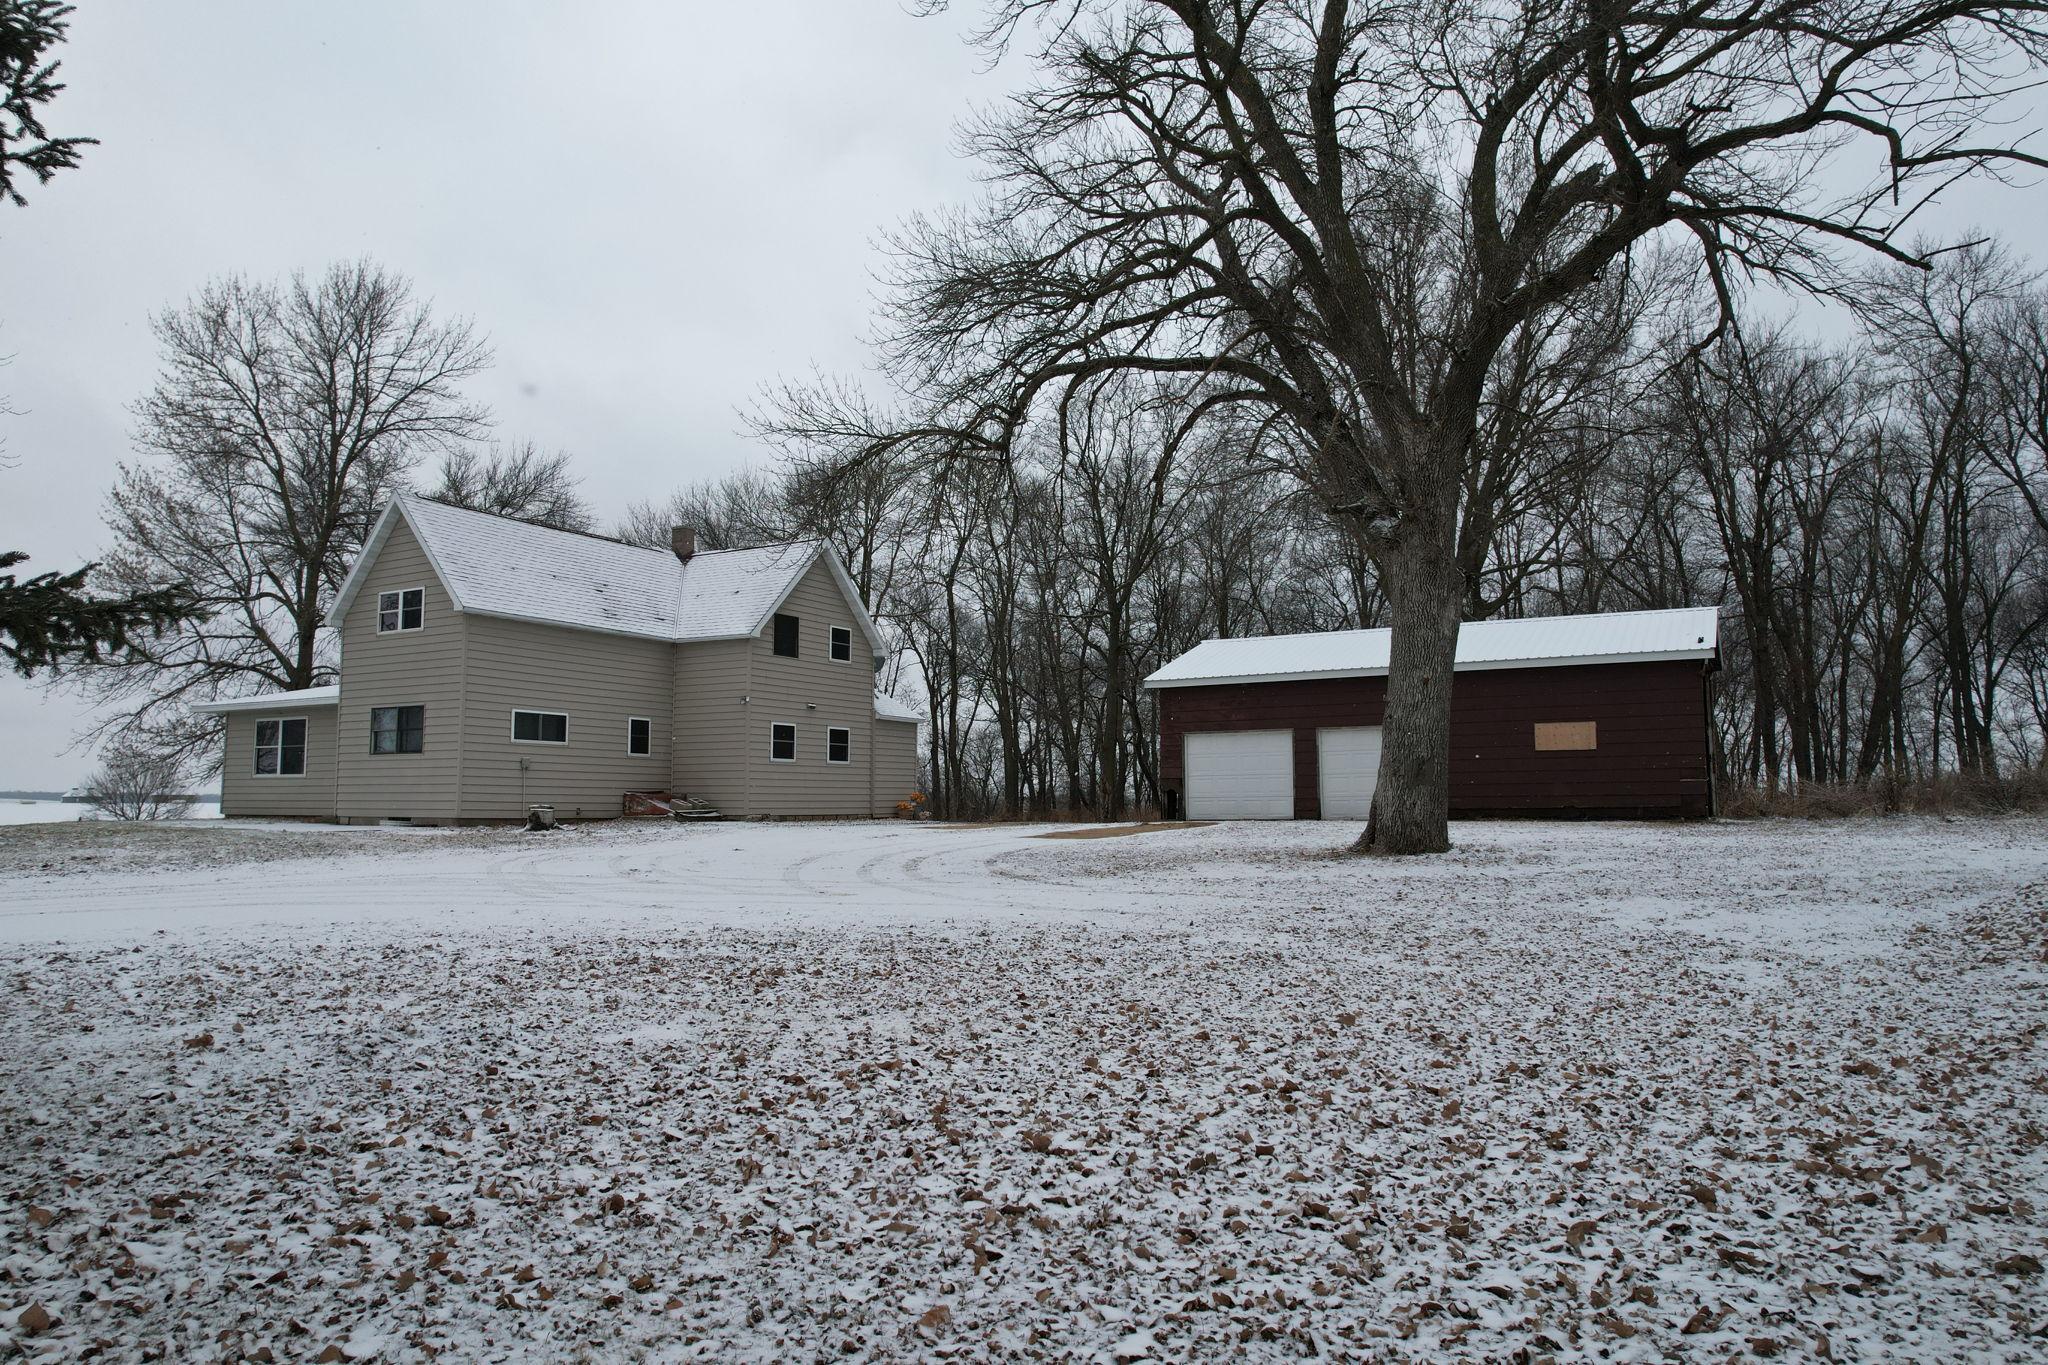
(761,1091)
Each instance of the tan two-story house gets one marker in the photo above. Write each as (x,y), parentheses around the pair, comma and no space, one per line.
(488,665)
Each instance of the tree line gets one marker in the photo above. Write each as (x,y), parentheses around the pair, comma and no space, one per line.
(1871,514)
(1868,513)
(1397,250)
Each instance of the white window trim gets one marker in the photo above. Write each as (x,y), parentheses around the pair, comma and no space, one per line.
(846,730)
(512,730)
(401,628)
(255,748)
(775,725)
(649,723)
(832,645)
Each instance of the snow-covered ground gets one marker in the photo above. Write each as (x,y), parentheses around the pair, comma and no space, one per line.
(19,811)
(769,1091)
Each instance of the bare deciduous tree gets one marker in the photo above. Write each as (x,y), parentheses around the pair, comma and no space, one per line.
(138,784)
(282,417)
(515,481)
(1347,216)
(730,514)
(1879,632)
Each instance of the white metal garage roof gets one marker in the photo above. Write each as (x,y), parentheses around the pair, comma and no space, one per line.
(1534,642)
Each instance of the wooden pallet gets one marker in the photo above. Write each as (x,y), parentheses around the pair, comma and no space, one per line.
(662,806)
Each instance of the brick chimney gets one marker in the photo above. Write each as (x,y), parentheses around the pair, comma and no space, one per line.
(683,540)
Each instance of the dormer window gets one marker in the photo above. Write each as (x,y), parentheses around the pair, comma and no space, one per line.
(842,644)
(785,635)
(405,609)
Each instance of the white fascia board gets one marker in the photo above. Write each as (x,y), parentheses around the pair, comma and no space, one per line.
(275,701)
(1649,657)
(1155,682)
(823,548)
(380,533)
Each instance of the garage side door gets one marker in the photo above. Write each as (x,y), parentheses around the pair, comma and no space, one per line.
(1349,763)
(1239,775)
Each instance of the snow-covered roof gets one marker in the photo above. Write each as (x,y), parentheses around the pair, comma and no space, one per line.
(495,566)
(272,701)
(1533,642)
(888,708)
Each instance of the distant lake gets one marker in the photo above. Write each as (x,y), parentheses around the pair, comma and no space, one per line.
(15,811)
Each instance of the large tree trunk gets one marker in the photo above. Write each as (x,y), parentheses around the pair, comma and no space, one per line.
(1412,803)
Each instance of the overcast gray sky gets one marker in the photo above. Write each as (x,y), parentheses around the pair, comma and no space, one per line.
(653,209)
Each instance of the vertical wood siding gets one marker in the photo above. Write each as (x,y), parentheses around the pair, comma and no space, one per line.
(1651,759)
(598,681)
(307,797)
(410,668)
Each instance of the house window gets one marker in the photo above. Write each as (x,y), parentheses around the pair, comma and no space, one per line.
(540,727)
(1567,734)
(842,644)
(404,610)
(280,748)
(838,745)
(639,736)
(785,635)
(398,729)
(782,743)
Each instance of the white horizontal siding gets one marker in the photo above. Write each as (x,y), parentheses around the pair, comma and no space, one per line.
(599,681)
(407,668)
(309,796)
(896,764)
(709,760)
(814,693)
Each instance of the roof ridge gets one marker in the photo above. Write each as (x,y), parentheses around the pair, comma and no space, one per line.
(749,549)
(1489,621)
(414,496)
(528,521)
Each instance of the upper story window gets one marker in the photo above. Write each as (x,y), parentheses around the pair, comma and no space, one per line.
(842,644)
(639,737)
(540,727)
(281,748)
(785,635)
(398,729)
(405,609)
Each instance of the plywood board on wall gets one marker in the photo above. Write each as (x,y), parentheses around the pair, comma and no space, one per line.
(1567,734)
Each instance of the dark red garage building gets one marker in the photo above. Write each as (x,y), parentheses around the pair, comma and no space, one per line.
(1563,715)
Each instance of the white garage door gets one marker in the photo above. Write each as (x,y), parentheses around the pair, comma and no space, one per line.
(1349,763)
(1240,775)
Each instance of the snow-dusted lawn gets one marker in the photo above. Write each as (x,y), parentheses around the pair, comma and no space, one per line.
(888,1090)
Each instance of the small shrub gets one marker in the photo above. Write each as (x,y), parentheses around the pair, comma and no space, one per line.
(135,784)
